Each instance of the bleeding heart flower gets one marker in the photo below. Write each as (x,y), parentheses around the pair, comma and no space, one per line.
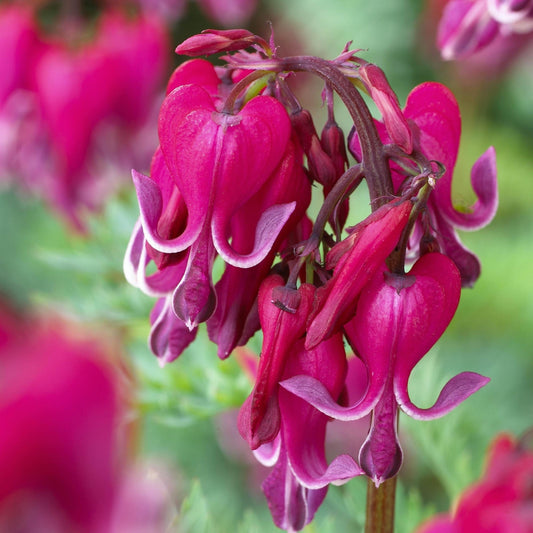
(218,162)
(398,319)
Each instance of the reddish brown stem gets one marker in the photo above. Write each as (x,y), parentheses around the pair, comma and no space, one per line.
(380,507)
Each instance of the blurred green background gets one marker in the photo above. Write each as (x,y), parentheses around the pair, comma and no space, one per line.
(184,410)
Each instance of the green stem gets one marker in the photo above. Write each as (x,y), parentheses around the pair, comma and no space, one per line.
(380,507)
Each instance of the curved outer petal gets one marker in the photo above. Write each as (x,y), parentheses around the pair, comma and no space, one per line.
(485,185)
(303,427)
(169,336)
(268,454)
(458,389)
(435,111)
(313,392)
(268,228)
(161,282)
(363,252)
(134,258)
(151,208)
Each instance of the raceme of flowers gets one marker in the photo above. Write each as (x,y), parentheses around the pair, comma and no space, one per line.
(231,181)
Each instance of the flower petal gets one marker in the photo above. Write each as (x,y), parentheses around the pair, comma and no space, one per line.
(356,259)
(458,389)
(169,336)
(292,505)
(268,228)
(485,185)
(304,428)
(151,207)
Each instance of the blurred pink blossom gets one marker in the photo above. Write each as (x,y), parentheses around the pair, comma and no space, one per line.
(501,501)
(65,449)
(74,119)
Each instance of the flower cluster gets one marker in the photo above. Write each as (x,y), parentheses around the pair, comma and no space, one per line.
(68,116)
(231,181)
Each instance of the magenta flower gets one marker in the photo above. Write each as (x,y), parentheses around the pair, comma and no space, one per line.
(138,49)
(292,505)
(354,261)
(259,418)
(235,319)
(238,154)
(435,112)
(19,49)
(398,319)
(298,482)
(231,157)
(72,120)
(62,457)
(500,501)
(434,116)
(468,26)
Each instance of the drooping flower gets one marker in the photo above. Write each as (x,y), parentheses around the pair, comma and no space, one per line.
(71,116)
(468,26)
(354,261)
(398,319)
(282,326)
(435,119)
(63,456)
(435,112)
(501,501)
(299,480)
(218,162)
(232,323)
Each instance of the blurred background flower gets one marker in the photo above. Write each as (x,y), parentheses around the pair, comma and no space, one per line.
(66,448)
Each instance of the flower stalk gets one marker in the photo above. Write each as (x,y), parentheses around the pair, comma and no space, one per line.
(380,505)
